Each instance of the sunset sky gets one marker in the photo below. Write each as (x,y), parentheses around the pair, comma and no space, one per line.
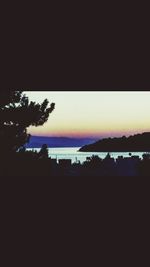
(94,114)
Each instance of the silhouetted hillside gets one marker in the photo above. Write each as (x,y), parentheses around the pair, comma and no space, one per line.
(38,141)
(133,143)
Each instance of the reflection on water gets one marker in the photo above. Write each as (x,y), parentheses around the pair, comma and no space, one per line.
(73,154)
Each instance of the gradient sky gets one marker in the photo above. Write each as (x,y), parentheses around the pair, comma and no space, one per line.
(94,114)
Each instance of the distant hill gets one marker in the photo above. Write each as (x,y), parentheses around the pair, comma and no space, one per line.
(133,143)
(38,141)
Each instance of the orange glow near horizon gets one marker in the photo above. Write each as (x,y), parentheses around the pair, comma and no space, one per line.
(94,114)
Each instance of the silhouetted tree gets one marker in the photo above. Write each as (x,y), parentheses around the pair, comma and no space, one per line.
(146,156)
(92,162)
(144,165)
(17,113)
(107,156)
(43,154)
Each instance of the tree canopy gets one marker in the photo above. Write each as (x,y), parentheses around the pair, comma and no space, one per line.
(17,113)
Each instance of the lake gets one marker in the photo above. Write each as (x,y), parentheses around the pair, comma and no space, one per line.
(73,154)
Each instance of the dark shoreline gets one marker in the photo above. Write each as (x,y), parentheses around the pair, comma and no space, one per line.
(135,143)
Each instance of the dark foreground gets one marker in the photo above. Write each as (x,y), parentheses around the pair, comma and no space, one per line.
(69,217)
(94,166)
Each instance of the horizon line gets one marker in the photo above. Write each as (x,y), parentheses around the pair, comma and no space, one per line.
(87,137)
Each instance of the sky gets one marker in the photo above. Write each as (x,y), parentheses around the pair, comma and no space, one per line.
(94,114)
